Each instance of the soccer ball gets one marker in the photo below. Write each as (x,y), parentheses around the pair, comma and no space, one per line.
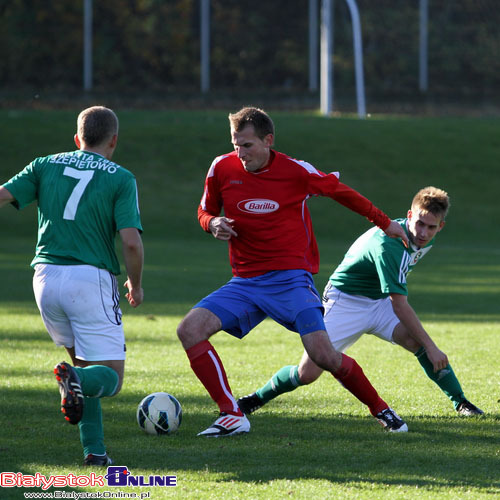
(159,413)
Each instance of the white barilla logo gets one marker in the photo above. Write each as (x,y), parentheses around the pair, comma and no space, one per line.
(258,206)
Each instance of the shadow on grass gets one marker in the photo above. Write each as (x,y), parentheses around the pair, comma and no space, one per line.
(438,451)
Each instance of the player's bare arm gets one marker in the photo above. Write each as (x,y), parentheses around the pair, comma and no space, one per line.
(5,196)
(413,328)
(395,230)
(133,255)
(222,228)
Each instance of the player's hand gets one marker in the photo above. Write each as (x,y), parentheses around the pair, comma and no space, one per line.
(222,228)
(395,230)
(135,296)
(437,357)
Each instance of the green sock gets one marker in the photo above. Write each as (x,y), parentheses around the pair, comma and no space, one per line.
(97,380)
(445,378)
(284,380)
(91,430)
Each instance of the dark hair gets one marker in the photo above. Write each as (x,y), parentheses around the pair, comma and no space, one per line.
(96,124)
(262,123)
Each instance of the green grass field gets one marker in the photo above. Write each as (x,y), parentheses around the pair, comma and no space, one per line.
(319,441)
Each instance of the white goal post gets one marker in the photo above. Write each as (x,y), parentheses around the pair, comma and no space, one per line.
(327,57)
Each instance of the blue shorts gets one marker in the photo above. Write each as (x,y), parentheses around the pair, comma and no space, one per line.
(288,297)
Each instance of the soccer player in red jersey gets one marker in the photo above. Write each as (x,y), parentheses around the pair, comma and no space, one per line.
(273,254)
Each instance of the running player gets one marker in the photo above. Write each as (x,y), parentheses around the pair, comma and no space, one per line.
(367,293)
(83,200)
(273,254)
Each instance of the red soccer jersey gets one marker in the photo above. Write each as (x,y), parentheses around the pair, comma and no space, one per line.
(270,212)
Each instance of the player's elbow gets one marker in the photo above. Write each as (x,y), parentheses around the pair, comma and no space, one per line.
(132,246)
(131,240)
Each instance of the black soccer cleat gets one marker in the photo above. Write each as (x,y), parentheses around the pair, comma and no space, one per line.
(97,460)
(391,421)
(467,409)
(249,404)
(71,392)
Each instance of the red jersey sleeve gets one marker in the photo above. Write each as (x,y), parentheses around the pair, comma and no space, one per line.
(355,201)
(211,203)
(329,185)
(204,218)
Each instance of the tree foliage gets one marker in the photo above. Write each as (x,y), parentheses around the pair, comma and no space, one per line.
(153,45)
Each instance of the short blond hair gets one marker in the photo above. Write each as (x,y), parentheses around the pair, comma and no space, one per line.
(432,199)
(96,125)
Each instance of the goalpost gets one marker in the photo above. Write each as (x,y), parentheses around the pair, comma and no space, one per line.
(326,50)
(327,28)
(327,57)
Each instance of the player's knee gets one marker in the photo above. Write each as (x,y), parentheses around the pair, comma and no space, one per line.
(309,372)
(406,341)
(412,345)
(185,328)
(309,377)
(181,331)
(402,337)
(192,330)
(119,369)
(321,351)
(329,361)
(185,331)
(118,387)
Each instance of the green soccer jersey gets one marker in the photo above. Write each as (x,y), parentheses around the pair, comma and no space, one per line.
(83,200)
(377,265)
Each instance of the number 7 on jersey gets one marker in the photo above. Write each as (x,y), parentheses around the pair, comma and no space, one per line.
(84,177)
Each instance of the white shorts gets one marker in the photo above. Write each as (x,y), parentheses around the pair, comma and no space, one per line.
(80,308)
(348,317)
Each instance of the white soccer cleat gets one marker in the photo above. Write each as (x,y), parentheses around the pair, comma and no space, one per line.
(227,425)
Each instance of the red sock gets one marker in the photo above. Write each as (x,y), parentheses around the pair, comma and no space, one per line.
(351,376)
(208,367)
